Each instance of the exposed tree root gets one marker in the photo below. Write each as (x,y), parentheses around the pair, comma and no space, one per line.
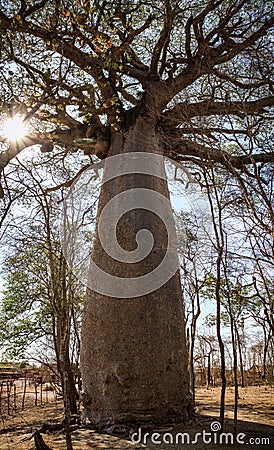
(74,420)
(39,442)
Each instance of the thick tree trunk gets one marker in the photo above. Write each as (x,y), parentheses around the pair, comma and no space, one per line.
(134,354)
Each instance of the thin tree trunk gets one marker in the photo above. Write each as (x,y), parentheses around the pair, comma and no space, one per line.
(24,393)
(208,370)
(220,340)
(134,354)
(235,368)
(192,342)
(240,357)
(36,393)
(67,410)
(266,344)
(219,237)
(1,391)
(14,398)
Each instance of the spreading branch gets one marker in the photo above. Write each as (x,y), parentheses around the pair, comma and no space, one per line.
(184,111)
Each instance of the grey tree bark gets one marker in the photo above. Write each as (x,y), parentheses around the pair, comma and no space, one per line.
(133,352)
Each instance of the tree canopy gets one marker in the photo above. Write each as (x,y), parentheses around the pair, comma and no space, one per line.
(80,71)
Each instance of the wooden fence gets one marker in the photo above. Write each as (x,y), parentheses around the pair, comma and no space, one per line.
(17,395)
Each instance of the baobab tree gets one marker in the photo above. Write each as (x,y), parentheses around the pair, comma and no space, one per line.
(186,80)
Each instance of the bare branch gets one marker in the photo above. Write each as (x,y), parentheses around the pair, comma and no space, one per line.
(91,64)
(192,149)
(240,84)
(238,47)
(184,111)
(35,8)
(68,139)
(69,183)
(163,39)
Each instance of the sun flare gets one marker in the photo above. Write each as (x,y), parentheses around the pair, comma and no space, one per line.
(14,129)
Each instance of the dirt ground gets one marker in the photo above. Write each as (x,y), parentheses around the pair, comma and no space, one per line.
(255,422)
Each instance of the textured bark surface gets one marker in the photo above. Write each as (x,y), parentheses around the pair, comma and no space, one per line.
(134,356)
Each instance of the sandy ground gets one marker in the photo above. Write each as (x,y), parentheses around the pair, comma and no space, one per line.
(255,420)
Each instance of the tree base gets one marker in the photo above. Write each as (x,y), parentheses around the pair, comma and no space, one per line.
(110,422)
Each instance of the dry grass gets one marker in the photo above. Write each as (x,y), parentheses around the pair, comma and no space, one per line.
(256,416)
(255,403)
